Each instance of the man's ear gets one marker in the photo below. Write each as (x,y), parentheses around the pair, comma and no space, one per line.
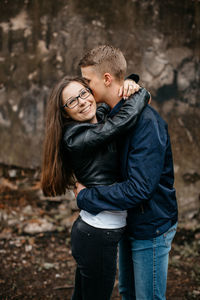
(107,79)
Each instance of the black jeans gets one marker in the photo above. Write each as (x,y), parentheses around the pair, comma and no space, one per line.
(95,251)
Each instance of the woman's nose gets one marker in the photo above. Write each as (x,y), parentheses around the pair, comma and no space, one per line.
(81,101)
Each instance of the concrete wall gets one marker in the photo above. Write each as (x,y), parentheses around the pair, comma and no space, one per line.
(42,40)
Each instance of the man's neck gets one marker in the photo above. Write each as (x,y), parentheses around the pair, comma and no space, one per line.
(112,97)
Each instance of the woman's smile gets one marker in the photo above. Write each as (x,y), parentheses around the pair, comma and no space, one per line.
(85,107)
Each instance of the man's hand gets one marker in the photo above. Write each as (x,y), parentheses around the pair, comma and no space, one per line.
(129,88)
(78,188)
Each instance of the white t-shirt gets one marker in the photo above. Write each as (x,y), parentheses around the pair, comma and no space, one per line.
(105,219)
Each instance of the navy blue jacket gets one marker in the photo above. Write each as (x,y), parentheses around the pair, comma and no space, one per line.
(147,189)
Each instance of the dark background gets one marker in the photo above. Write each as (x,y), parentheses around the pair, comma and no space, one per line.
(43,40)
(40,42)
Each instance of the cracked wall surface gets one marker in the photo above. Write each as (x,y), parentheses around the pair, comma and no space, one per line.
(41,41)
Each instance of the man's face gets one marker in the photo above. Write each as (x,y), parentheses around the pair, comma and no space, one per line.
(95,82)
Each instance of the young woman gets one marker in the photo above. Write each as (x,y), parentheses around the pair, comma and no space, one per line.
(80,145)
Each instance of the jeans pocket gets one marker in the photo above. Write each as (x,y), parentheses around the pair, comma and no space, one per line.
(79,231)
(169,235)
(114,235)
(84,230)
(81,239)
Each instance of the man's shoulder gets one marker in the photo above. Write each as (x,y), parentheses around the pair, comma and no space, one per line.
(149,114)
(149,121)
(149,127)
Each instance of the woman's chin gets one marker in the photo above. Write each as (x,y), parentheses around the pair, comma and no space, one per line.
(87,117)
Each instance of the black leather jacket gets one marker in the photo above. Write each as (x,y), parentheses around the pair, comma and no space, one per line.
(91,148)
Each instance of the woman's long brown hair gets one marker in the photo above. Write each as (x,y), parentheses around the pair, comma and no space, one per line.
(57,174)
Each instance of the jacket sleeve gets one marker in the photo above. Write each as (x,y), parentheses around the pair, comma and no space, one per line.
(102,111)
(144,167)
(86,136)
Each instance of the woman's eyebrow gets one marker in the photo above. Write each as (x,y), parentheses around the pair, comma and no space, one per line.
(78,93)
(82,89)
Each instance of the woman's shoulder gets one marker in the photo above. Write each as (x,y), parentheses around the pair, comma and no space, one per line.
(74,134)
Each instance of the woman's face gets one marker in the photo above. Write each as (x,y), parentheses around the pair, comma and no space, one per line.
(84,109)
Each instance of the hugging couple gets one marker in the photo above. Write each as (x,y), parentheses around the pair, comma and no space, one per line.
(118,156)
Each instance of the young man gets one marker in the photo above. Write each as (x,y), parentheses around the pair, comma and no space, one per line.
(146,190)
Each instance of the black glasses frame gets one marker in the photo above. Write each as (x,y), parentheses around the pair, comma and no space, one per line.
(77,98)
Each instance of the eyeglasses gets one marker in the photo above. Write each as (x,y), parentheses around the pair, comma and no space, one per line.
(74,101)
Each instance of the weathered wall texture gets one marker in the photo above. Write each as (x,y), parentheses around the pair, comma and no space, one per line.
(42,40)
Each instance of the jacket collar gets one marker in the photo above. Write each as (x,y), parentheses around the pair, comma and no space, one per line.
(116,108)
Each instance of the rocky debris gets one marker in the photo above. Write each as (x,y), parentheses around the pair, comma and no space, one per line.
(36,261)
(191,177)
(38,225)
(19,209)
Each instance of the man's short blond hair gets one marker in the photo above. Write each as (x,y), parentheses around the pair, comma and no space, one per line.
(106,59)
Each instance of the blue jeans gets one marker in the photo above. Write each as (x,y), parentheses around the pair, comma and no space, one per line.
(143,266)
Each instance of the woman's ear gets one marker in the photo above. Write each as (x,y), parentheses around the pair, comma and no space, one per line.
(107,79)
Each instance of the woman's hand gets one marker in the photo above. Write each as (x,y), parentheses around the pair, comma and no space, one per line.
(129,88)
(149,99)
(78,188)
